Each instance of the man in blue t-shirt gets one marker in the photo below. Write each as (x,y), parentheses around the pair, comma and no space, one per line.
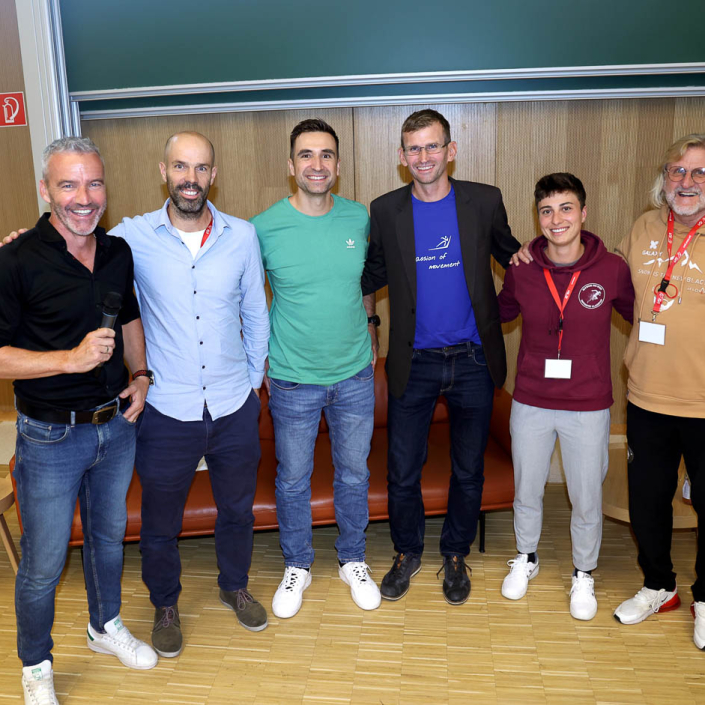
(431,243)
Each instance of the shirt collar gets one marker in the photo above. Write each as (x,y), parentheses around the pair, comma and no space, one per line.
(48,233)
(163,219)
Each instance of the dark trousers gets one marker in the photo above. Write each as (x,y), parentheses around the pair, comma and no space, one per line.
(460,374)
(657,442)
(168,452)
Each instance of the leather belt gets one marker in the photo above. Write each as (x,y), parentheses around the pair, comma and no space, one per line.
(59,416)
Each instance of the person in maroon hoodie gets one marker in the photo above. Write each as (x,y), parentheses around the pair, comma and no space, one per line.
(563,383)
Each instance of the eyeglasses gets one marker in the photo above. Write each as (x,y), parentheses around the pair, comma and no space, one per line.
(433,148)
(678,173)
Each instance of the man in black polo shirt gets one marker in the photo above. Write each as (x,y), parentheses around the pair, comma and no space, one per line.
(73,437)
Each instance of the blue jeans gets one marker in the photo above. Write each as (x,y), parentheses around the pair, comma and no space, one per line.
(460,374)
(168,451)
(296,411)
(54,465)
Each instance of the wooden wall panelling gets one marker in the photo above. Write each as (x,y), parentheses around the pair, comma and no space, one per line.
(531,141)
(251,154)
(377,140)
(689,117)
(614,146)
(15,154)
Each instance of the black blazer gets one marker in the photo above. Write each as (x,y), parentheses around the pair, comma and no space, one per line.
(391,261)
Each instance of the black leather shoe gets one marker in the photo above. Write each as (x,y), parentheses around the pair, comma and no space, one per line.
(395,583)
(456,583)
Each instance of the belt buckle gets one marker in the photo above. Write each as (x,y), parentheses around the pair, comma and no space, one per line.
(101,416)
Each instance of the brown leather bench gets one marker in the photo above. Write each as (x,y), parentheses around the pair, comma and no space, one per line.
(200,512)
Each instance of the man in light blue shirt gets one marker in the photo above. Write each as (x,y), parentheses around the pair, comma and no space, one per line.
(200,284)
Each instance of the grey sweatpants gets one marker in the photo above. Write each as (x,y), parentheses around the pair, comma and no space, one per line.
(584,437)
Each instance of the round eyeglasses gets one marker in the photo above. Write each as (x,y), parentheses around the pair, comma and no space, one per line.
(678,173)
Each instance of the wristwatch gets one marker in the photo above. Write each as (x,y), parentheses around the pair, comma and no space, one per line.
(374,320)
(144,373)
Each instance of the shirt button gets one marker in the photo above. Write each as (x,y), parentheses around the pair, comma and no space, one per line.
(409,344)
(204,388)
(201,343)
(193,266)
(198,318)
(203,367)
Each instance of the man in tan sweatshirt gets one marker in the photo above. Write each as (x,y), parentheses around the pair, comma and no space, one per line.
(666,410)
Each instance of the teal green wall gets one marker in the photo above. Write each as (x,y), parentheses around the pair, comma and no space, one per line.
(132,43)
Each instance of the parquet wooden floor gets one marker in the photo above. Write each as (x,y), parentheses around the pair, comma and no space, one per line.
(416,650)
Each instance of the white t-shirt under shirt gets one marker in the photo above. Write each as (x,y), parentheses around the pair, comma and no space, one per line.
(192,240)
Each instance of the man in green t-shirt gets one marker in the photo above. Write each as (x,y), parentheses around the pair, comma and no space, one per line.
(320,359)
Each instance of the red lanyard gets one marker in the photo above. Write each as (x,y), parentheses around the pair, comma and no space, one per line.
(207,233)
(661,293)
(557,299)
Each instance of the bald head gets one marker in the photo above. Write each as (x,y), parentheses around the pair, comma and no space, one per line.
(188,137)
(188,171)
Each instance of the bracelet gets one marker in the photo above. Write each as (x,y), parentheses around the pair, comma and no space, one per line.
(144,373)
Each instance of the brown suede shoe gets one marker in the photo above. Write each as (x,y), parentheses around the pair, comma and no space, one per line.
(166,632)
(248,611)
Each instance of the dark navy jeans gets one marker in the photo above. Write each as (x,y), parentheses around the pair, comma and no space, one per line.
(168,451)
(460,374)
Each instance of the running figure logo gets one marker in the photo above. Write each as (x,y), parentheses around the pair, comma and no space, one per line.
(444,244)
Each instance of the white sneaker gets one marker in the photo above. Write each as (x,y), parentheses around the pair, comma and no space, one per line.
(517,581)
(645,603)
(38,684)
(118,641)
(583,604)
(698,610)
(290,593)
(364,591)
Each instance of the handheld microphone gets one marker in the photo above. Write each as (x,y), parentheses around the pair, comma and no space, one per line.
(111,308)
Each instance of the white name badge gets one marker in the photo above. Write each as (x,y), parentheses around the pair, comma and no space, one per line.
(558,369)
(652,333)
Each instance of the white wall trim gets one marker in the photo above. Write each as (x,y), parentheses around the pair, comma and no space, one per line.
(393,78)
(443,98)
(46,90)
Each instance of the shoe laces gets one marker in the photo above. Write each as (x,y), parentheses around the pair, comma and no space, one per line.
(456,564)
(125,640)
(244,598)
(398,561)
(583,583)
(358,571)
(291,577)
(655,599)
(170,615)
(41,692)
(519,564)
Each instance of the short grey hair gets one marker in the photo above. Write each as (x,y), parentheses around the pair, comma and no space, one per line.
(675,152)
(78,145)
